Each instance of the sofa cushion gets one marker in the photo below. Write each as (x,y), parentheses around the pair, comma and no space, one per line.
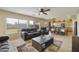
(4,46)
(29,30)
(4,38)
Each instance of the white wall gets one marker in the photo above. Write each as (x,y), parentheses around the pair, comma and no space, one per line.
(77,25)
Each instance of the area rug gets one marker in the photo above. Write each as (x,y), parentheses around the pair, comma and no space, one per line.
(29,48)
(54,47)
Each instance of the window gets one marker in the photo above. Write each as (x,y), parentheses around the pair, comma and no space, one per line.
(12,23)
(16,23)
(31,22)
(22,24)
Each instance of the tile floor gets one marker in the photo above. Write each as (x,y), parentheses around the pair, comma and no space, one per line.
(66,45)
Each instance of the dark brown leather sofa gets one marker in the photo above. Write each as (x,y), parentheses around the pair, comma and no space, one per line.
(30,33)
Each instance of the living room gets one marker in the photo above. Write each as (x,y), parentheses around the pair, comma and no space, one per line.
(24,26)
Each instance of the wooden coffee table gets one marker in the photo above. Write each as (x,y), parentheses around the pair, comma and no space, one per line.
(42,42)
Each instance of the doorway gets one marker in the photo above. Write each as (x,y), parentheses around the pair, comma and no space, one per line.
(75,28)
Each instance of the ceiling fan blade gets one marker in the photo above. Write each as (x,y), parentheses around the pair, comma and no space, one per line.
(47,10)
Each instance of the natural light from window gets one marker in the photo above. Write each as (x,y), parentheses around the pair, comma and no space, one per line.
(12,21)
(31,22)
(23,21)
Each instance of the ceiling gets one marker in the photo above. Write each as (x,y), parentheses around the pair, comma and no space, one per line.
(55,12)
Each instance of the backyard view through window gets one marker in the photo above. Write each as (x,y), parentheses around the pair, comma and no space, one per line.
(13,25)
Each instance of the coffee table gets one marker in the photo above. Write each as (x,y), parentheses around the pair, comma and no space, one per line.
(42,42)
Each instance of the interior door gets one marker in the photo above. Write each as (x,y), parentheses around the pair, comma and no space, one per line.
(75,28)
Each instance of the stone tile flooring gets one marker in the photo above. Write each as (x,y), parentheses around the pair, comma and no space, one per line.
(67,43)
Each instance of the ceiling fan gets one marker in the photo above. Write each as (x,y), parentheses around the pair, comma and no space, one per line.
(43,11)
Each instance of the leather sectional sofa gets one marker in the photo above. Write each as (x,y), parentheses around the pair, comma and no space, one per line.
(4,38)
(4,45)
(30,33)
(44,30)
